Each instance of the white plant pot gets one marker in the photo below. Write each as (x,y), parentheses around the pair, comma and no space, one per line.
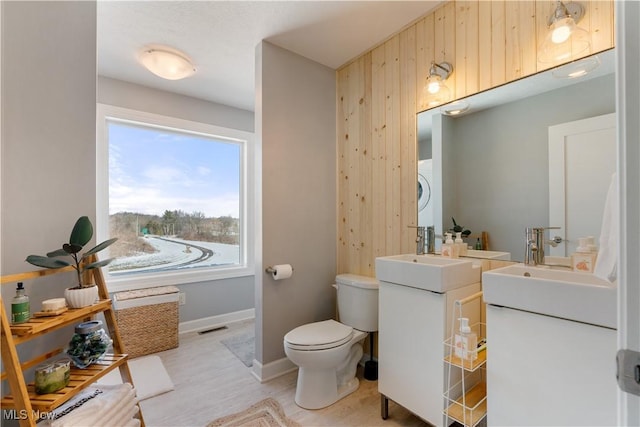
(83,297)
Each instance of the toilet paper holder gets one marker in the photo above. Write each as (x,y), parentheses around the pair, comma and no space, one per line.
(271,270)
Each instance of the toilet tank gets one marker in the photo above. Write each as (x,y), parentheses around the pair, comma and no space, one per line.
(358,301)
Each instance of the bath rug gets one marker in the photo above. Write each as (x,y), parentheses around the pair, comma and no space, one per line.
(242,346)
(266,413)
(150,378)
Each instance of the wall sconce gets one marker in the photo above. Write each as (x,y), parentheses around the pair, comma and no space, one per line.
(565,40)
(167,63)
(435,92)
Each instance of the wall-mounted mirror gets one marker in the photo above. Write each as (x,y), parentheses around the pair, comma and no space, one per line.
(490,166)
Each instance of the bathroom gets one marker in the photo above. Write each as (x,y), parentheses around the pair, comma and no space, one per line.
(301,239)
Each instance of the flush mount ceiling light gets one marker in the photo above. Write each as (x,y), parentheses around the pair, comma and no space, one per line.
(167,63)
(435,92)
(455,108)
(565,40)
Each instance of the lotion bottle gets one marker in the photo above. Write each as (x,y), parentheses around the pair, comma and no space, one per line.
(20,309)
(462,246)
(449,248)
(466,342)
(584,259)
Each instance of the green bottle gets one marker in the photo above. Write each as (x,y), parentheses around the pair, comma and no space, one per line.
(478,245)
(20,310)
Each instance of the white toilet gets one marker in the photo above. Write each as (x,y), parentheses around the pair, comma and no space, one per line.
(327,353)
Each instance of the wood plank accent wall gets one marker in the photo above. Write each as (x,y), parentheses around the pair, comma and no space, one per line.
(489,43)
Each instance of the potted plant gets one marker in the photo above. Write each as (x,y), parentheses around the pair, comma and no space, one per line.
(83,293)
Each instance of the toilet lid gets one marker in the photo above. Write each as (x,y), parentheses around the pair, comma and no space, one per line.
(319,335)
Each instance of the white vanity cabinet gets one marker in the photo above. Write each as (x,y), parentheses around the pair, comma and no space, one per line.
(413,323)
(548,371)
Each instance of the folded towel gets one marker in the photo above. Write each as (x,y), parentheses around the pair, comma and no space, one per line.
(607,262)
(91,412)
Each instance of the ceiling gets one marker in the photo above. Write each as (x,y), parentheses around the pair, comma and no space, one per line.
(221,38)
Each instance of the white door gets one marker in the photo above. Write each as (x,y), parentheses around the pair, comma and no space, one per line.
(582,159)
(628,108)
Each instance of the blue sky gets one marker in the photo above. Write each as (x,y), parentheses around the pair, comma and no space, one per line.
(152,170)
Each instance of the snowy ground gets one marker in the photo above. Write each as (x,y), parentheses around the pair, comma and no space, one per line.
(173,253)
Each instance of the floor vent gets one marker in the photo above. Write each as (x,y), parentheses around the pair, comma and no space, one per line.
(206,331)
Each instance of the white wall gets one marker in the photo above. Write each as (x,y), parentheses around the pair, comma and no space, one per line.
(48,128)
(48,139)
(142,98)
(295,124)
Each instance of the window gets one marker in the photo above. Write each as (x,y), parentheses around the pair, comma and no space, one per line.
(175,193)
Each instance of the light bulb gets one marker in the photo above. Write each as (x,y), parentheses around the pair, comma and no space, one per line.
(561,30)
(433,84)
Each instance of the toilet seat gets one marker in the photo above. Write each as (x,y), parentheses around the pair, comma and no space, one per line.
(318,336)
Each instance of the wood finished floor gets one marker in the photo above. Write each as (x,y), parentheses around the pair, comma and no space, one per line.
(211,382)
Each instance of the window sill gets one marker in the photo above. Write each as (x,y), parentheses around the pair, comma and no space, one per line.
(141,281)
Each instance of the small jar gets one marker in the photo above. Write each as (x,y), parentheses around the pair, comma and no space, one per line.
(53,376)
(89,344)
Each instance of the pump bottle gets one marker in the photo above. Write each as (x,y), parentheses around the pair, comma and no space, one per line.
(462,246)
(584,259)
(20,310)
(466,342)
(449,248)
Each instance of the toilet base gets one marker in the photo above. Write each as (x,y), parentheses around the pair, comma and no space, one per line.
(314,400)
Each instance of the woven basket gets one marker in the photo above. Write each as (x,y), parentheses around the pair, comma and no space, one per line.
(147,329)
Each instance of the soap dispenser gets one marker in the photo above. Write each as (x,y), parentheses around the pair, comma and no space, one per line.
(462,246)
(449,248)
(584,259)
(466,342)
(20,310)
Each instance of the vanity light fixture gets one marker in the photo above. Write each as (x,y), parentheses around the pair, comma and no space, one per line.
(565,40)
(167,63)
(455,108)
(435,92)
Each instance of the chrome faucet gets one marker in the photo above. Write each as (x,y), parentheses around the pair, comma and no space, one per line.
(420,242)
(534,253)
(431,239)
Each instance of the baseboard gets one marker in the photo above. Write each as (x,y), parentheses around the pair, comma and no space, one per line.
(216,321)
(271,370)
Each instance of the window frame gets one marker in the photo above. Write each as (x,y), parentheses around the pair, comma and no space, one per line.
(107,113)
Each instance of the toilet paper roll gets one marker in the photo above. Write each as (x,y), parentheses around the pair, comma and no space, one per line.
(282,271)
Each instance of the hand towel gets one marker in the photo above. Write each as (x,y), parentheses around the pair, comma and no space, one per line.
(607,262)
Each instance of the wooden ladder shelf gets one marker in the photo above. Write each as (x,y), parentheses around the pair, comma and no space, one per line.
(23,398)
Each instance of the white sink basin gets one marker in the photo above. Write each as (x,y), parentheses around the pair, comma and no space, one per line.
(429,272)
(582,297)
(473,253)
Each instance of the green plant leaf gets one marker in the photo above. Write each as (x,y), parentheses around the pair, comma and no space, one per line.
(100,247)
(71,248)
(57,252)
(465,233)
(82,232)
(46,262)
(98,264)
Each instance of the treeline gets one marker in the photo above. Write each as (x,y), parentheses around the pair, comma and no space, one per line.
(180,224)
(128,227)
